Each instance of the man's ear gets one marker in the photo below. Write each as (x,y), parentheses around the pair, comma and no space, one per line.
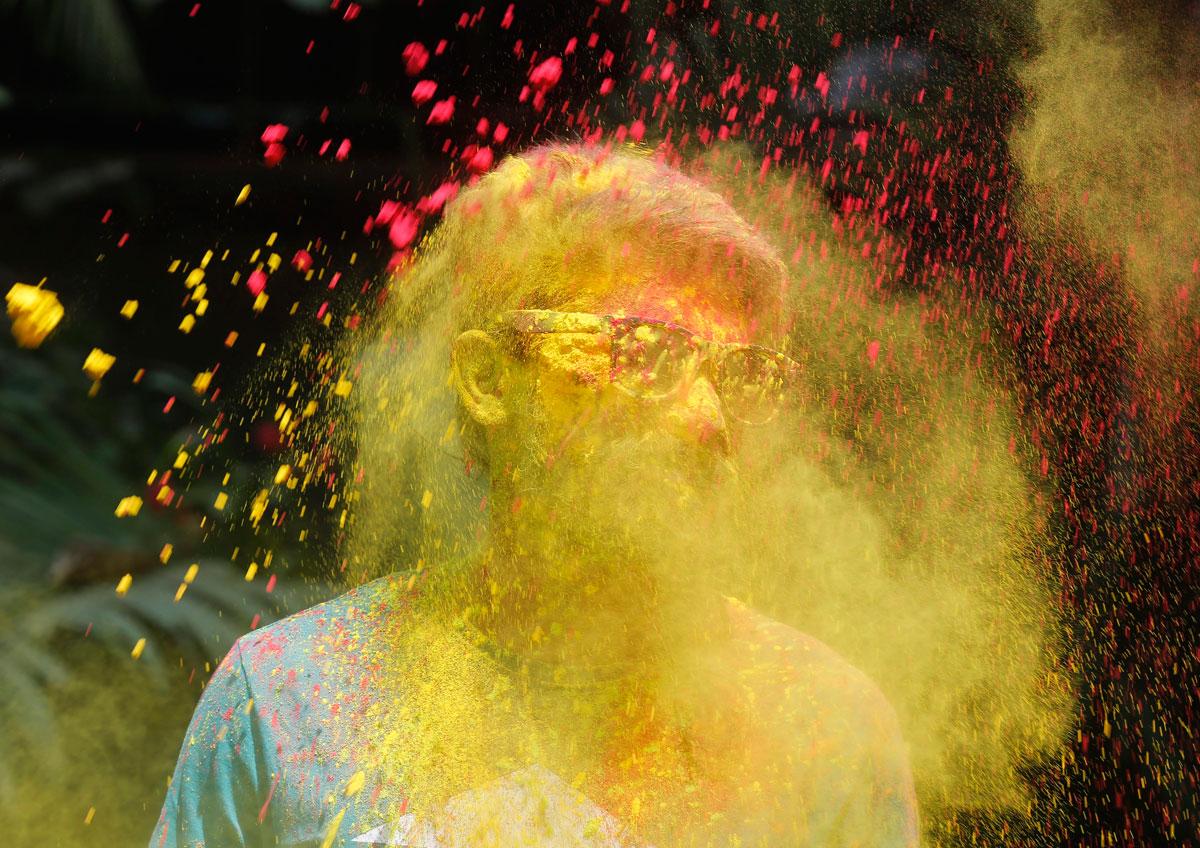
(478,367)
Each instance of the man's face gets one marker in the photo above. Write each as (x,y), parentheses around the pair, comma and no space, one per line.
(623,473)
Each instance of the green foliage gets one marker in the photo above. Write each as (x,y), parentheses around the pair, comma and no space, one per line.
(66,460)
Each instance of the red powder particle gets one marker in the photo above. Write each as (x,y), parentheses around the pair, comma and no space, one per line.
(606,86)
(256,282)
(482,160)
(415,57)
(507,20)
(302,261)
(274,133)
(873,351)
(438,198)
(273,155)
(442,112)
(547,74)
(403,229)
(423,92)
(500,133)
(822,85)
(343,150)
(387,211)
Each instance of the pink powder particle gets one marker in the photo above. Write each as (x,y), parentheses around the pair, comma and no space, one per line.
(302,261)
(438,198)
(343,150)
(547,74)
(441,112)
(387,211)
(822,85)
(256,282)
(606,86)
(423,92)
(274,133)
(273,155)
(500,133)
(481,160)
(415,57)
(403,230)
(873,351)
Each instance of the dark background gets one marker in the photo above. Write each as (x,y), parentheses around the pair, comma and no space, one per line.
(150,116)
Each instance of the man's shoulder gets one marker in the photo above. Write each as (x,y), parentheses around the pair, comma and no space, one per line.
(806,668)
(342,632)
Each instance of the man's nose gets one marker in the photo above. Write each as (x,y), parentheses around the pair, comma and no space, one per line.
(696,414)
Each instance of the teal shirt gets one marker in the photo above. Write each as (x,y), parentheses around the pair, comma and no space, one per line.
(278,751)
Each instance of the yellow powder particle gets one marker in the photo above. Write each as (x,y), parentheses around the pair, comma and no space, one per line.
(129,506)
(123,584)
(283,473)
(165,553)
(179,592)
(343,387)
(189,321)
(129,309)
(258,507)
(138,648)
(202,381)
(331,834)
(251,571)
(221,500)
(192,571)
(34,312)
(243,195)
(97,363)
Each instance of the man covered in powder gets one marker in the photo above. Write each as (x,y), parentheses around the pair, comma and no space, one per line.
(611,332)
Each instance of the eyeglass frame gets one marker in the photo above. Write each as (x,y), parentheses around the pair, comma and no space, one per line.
(711,353)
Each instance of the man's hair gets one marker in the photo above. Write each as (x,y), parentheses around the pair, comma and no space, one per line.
(562,223)
(556,227)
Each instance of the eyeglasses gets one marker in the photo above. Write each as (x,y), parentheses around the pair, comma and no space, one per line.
(656,360)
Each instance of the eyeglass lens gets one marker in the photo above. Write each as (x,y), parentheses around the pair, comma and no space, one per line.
(651,361)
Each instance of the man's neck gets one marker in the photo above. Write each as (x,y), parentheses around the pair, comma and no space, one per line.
(539,609)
